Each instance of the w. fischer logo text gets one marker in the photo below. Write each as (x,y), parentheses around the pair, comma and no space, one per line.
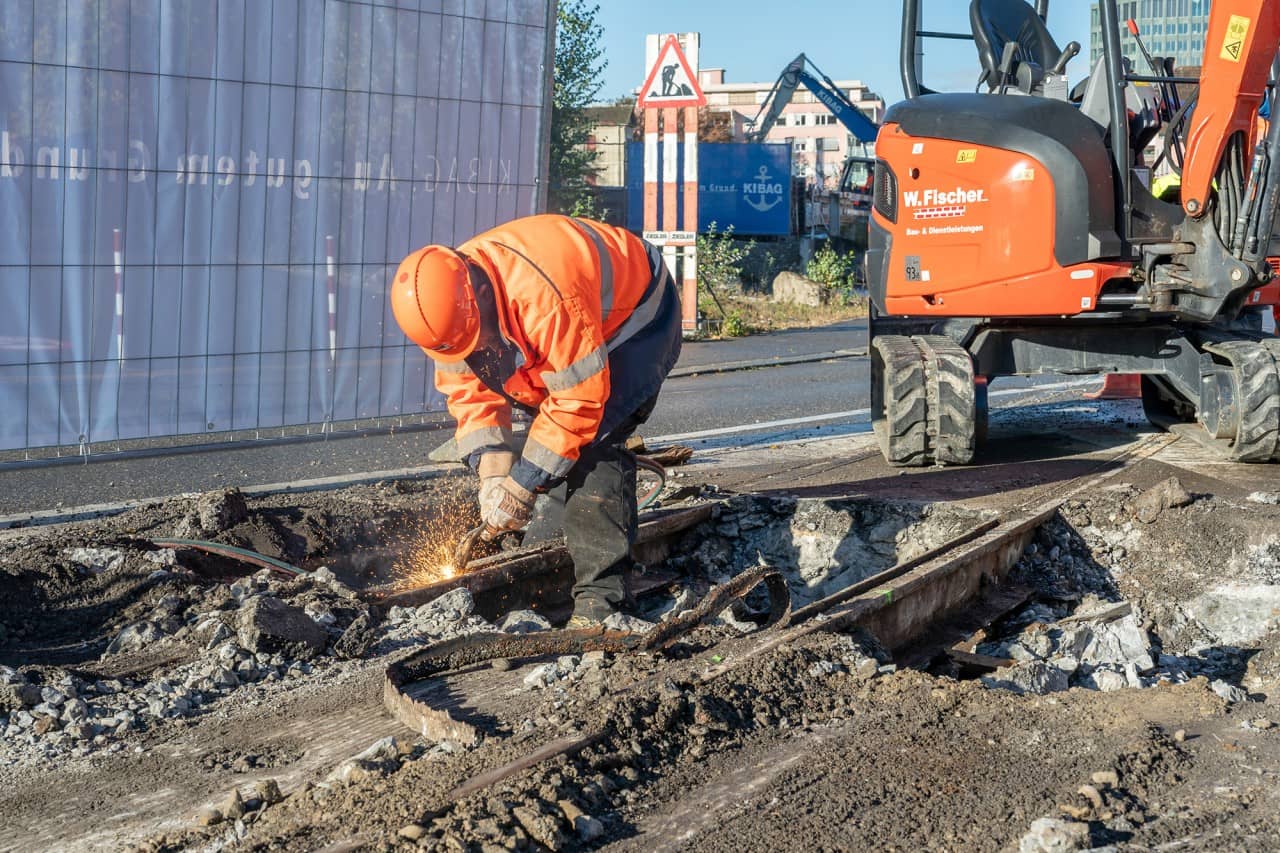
(929,198)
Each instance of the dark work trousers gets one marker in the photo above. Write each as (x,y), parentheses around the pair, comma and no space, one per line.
(595,506)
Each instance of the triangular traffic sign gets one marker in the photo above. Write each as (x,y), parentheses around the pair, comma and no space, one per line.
(671,82)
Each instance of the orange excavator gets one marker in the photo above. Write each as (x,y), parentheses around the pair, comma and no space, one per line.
(1013,233)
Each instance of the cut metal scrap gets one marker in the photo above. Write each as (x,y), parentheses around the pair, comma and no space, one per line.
(437,724)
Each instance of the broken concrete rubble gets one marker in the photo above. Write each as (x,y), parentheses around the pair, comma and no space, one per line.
(268,625)
(1237,614)
(523,622)
(96,560)
(822,545)
(1121,642)
(218,511)
(1035,677)
(1052,835)
(450,615)
(1168,494)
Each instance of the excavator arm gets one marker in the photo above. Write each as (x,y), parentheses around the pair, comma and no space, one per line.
(1239,48)
(825,90)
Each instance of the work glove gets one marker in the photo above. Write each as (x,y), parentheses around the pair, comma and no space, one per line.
(512,511)
(493,469)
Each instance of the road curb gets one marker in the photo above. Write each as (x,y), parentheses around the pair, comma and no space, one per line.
(758,363)
(87,512)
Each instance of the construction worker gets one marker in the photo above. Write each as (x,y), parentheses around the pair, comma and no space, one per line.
(577,323)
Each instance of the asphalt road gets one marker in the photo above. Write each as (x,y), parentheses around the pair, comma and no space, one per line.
(688,404)
(761,401)
(850,334)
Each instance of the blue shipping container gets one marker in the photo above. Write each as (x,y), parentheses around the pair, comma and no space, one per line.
(744,185)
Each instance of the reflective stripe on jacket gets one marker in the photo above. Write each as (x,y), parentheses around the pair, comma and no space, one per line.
(567,292)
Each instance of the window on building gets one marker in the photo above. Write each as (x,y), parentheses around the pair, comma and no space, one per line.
(742,98)
(800,145)
(829,143)
(782,121)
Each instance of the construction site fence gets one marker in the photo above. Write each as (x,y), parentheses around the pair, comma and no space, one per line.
(202,205)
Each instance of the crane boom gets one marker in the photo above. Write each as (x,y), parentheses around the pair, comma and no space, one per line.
(825,90)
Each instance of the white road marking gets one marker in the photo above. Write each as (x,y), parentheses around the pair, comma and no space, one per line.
(850,414)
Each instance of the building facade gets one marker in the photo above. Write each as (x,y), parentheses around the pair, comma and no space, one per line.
(609,138)
(818,141)
(1169,28)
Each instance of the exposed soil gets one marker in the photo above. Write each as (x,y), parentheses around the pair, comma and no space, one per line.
(821,744)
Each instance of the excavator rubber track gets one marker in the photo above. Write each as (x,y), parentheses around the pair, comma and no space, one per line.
(923,400)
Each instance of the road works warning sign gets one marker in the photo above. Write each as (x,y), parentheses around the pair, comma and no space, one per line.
(671,81)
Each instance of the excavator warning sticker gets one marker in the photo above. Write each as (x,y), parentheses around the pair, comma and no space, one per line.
(967,155)
(1237,32)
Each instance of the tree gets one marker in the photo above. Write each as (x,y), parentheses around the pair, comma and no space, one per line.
(714,125)
(579,66)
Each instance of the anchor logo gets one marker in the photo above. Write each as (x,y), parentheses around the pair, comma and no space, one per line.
(762,187)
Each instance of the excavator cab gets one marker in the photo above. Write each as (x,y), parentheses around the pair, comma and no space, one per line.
(1013,233)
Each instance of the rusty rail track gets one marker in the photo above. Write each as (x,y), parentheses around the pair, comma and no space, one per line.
(438,724)
(896,606)
(653,543)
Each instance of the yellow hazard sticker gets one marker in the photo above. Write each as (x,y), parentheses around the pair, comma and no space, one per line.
(967,155)
(1233,44)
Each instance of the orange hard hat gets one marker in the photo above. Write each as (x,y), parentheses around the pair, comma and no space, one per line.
(432,300)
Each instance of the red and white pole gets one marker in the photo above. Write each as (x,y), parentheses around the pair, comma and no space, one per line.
(117,246)
(331,269)
(689,287)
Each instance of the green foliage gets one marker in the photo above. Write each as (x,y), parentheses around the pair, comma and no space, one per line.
(587,206)
(734,326)
(836,271)
(579,68)
(720,260)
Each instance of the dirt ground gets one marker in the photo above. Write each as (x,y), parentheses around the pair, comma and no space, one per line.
(820,744)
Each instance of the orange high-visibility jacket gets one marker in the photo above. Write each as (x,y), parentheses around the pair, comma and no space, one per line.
(567,292)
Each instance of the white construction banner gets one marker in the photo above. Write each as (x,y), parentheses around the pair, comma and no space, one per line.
(201,204)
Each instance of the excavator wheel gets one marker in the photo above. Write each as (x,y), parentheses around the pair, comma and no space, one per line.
(1273,347)
(923,400)
(1257,396)
(899,407)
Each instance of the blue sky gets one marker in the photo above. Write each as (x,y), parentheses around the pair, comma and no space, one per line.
(848,39)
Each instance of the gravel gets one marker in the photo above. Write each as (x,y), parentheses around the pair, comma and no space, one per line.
(45,715)
(1083,626)
(450,615)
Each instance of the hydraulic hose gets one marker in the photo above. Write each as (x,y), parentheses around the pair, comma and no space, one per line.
(1171,131)
(654,468)
(244,555)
